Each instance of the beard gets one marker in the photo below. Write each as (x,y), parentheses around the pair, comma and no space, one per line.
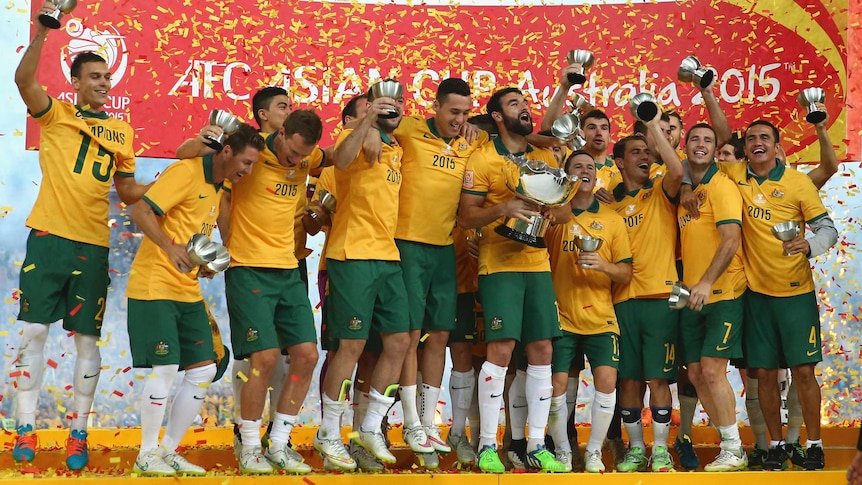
(516,126)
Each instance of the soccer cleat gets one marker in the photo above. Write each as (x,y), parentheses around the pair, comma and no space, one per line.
(776,458)
(252,462)
(433,433)
(286,458)
(265,443)
(756,458)
(25,444)
(181,465)
(661,460)
(797,454)
(77,454)
(564,457)
(516,453)
(375,442)
(463,450)
(150,464)
(634,461)
(489,460)
(543,460)
(416,439)
(593,462)
(334,454)
(237,442)
(617,448)
(363,458)
(814,459)
(687,457)
(728,461)
(429,461)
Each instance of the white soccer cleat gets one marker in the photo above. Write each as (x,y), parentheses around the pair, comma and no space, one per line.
(150,464)
(334,454)
(374,442)
(286,458)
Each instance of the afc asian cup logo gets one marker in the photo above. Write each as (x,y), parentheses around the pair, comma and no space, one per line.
(108,43)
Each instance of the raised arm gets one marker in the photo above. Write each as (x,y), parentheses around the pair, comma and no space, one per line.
(717,118)
(828,158)
(558,100)
(32,93)
(196,147)
(347,151)
(129,190)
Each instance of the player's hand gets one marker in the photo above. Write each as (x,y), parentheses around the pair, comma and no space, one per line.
(180,257)
(708,89)
(592,261)
(604,196)
(473,238)
(825,122)
(797,246)
(470,132)
(564,74)
(699,296)
(211,131)
(521,208)
(689,200)
(46,9)
(557,215)
(380,106)
(317,212)
(205,272)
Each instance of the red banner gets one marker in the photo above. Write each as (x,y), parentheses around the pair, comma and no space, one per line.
(173,62)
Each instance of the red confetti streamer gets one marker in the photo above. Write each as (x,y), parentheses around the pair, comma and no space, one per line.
(52,363)
(118,393)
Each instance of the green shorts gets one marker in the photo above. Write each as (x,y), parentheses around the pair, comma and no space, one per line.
(520,306)
(648,337)
(715,331)
(167,332)
(465,319)
(432,288)
(365,293)
(64,279)
(779,328)
(268,309)
(601,349)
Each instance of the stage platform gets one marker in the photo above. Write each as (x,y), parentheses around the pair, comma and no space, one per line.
(113,451)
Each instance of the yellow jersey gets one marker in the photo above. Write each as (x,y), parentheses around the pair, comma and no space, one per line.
(367,206)
(433,169)
(607,175)
(784,195)
(79,153)
(484,176)
(584,296)
(650,218)
(326,181)
(720,203)
(187,200)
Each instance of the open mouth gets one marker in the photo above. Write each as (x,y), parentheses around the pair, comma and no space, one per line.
(525,117)
(586,180)
(700,153)
(643,166)
(758,151)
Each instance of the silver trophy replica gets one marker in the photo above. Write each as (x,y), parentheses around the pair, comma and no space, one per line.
(327,200)
(64,7)
(227,122)
(585,59)
(580,105)
(679,296)
(567,128)
(588,244)
(541,183)
(644,107)
(690,71)
(787,231)
(221,261)
(387,88)
(807,98)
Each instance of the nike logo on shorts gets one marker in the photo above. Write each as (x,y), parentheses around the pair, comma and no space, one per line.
(721,349)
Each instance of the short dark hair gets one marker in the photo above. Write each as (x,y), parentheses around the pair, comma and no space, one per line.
(305,122)
(573,155)
(484,122)
(620,146)
(263,98)
(673,114)
(350,108)
(764,123)
(83,58)
(738,145)
(245,136)
(597,114)
(495,104)
(701,125)
(453,85)
(640,128)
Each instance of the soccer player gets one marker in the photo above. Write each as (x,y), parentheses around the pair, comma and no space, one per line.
(648,328)
(267,300)
(582,281)
(514,283)
(435,157)
(362,248)
(65,271)
(168,324)
(711,326)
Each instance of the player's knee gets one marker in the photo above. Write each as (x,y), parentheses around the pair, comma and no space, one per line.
(201,376)
(305,356)
(33,337)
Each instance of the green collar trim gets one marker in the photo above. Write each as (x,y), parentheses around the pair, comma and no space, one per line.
(92,114)
(270,141)
(710,171)
(620,190)
(594,208)
(775,174)
(502,150)
(433,128)
(208,172)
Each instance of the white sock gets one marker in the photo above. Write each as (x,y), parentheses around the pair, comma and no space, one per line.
(276,384)
(730,437)
(360,408)
(187,404)
(755,414)
(660,426)
(687,406)
(428,397)
(378,406)
(408,406)
(240,367)
(811,443)
(330,424)
(601,415)
(157,386)
(794,414)
(557,421)
(518,410)
(634,428)
(282,425)
(539,389)
(87,368)
(571,397)
(249,431)
(490,396)
(461,388)
(30,366)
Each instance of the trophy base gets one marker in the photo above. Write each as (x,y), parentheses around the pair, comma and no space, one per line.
(388,115)
(576,78)
(213,143)
(521,237)
(49,21)
(815,117)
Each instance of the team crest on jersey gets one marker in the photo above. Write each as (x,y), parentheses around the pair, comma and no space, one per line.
(647,195)
(759,199)
(304,164)
(701,196)
(162,348)
(630,209)
(596,226)
(108,43)
(462,146)
(251,335)
(496,323)
(355,324)
(468,179)
(777,193)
